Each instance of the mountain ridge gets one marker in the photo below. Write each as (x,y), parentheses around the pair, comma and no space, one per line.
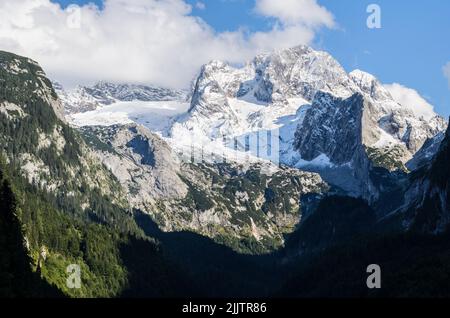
(103,93)
(275,91)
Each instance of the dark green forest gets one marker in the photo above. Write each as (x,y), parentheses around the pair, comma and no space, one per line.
(16,276)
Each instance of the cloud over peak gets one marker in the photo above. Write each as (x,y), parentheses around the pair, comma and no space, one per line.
(411,99)
(143,41)
(296,12)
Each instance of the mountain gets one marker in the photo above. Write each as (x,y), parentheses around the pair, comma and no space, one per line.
(411,245)
(301,110)
(86,98)
(422,209)
(307,99)
(427,199)
(339,140)
(16,70)
(37,142)
(172,205)
(60,205)
(240,205)
(132,168)
(75,101)
(79,192)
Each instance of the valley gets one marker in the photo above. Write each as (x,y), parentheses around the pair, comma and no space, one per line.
(257,180)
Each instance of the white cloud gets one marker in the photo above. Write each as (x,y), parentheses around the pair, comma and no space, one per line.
(411,99)
(146,41)
(294,12)
(200,5)
(446,70)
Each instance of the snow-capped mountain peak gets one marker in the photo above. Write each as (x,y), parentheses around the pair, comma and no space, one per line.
(370,85)
(108,93)
(87,98)
(322,117)
(300,91)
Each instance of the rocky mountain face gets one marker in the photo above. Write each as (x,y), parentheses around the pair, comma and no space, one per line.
(397,126)
(425,155)
(77,101)
(35,139)
(411,240)
(21,76)
(238,204)
(340,138)
(427,199)
(141,161)
(309,99)
(243,206)
(108,93)
(342,126)
(86,98)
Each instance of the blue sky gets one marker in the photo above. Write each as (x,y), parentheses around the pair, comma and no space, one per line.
(411,48)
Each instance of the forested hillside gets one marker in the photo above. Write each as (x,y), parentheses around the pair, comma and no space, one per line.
(60,206)
(16,276)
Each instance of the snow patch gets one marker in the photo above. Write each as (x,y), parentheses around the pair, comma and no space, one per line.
(321,161)
(157,116)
